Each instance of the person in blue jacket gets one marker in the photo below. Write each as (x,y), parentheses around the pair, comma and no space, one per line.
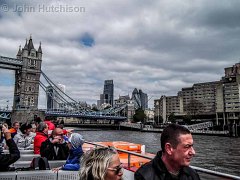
(75,143)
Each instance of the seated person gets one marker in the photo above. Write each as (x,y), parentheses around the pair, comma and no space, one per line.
(41,136)
(66,132)
(14,154)
(23,139)
(55,147)
(2,142)
(75,143)
(101,163)
(15,129)
(33,130)
(51,126)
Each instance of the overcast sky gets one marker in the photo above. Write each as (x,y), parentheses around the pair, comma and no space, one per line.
(157,46)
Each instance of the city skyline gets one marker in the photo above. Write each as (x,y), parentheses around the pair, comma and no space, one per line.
(158,47)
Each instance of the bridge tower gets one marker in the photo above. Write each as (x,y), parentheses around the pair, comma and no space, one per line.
(27,78)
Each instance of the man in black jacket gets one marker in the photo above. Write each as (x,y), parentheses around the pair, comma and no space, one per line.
(55,148)
(14,154)
(172,163)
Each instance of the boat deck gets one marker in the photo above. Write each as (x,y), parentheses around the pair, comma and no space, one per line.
(131,161)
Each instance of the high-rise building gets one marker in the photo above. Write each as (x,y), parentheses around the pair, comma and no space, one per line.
(54,96)
(140,99)
(108,93)
(50,93)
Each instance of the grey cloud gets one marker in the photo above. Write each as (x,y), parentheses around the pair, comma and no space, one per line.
(158,46)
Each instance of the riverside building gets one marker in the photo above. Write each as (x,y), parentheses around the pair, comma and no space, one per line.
(219,100)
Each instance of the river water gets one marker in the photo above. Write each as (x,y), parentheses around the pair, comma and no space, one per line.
(212,152)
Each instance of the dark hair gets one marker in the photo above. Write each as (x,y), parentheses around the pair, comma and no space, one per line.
(60,126)
(41,126)
(15,123)
(25,127)
(171,135)
(37,120)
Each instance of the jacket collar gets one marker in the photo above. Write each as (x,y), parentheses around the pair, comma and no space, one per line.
(159,165)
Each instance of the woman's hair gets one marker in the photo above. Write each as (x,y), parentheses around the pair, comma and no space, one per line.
(94,163)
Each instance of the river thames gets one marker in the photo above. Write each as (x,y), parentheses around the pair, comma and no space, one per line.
(212,152)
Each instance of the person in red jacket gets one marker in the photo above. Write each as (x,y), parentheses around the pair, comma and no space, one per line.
(41,136)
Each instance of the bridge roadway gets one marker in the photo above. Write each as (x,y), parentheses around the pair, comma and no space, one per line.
(85,115)
(6,114)
(10,63)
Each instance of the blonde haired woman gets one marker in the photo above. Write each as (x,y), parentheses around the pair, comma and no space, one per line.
(101,164)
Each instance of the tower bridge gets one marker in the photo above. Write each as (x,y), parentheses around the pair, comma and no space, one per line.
(27,67)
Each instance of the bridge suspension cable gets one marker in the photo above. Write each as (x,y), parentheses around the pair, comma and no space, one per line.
(62,97)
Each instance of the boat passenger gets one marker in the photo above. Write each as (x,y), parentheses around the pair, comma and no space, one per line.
(51,126)
(33,130)
(55,147)
(36,121)
(41,136)
(66,132)
(23,139)
(2,139)
(14,154)
(15,129)
(75,143)
(173,161)
(101,164)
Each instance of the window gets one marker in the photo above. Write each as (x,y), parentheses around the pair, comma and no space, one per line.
(32,63)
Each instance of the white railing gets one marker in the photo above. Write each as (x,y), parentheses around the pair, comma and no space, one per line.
(131,125)
(198,126)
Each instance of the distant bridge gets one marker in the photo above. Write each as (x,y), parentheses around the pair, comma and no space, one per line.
(89,115)
(6,115)
(27,66)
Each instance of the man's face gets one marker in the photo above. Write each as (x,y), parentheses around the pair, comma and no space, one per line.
(27,131)
(59,135)
(45,130)
(184,151)
(16,126)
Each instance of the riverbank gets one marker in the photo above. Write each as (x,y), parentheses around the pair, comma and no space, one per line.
(212,152)
(137,127)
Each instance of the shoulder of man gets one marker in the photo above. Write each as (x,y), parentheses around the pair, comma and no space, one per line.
(191,172)
(145,172)
(17,136)
(46,142)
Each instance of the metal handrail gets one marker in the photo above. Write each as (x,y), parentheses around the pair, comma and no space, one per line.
(207,171)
